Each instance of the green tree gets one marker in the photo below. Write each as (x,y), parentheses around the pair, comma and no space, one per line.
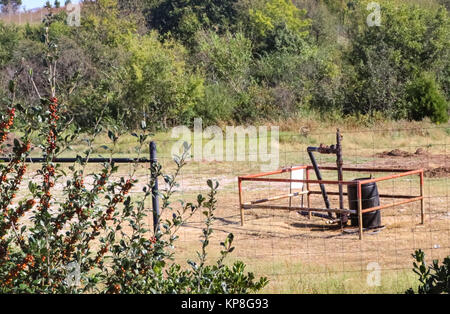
(159,84)
(425,100)
(10,36)
(10,6)
(273,24)
(270,13)
(183,18)
(225,58)
(103,22)
(411,39)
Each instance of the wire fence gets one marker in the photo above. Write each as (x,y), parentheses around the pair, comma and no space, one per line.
(310,255)
(302,255)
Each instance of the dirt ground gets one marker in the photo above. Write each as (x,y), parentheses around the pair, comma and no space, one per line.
(435,166)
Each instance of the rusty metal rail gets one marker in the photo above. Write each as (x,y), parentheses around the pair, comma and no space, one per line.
(397,173)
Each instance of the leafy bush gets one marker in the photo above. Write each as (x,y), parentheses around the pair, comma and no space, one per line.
(184,18)
(425,100)
(256,104)
(218,104)
(269,13)
(435,278)
(158,81)
(9,38)
(410,40)
(225,58)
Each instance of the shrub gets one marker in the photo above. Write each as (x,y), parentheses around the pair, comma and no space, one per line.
(281,38)
(218,104)
(255,104)
(158,81)
(9,38)
(78,244)
(434,279)
(411,39)
(225,58)
(425,100)
(184,18)
(269,13)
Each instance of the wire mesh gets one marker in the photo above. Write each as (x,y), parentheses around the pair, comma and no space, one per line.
(301,255)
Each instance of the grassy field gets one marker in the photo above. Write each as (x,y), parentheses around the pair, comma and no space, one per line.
(299,255)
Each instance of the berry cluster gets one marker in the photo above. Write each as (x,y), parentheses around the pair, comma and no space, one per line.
(6,125)
(9,191)
(28,261)
(118,198)
(49,182)
(127,187)
(20,212)
(101,253)
(74,197)
(72,207)
(69,246)
(115,288)
(51,138)
(3,251)
(101,182)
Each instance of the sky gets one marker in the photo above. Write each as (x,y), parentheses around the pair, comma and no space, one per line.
(32,4)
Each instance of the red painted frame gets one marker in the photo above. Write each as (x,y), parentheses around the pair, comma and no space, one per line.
(398,174)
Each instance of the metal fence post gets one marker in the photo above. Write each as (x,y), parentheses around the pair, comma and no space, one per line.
(154,176)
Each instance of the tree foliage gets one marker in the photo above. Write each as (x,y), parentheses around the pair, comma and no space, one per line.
(183,18)
(10,6)
(270,13)
(159,82)
(385,58)
(425,100)
(238,60)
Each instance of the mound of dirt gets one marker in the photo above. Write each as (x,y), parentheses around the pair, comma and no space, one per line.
(439,172)
(401,153)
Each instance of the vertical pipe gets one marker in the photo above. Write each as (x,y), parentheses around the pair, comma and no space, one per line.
(290,190)
(308,196)
(360,217)
(154,178)
(240,201)
(339,163)
(422,214)
(319,177)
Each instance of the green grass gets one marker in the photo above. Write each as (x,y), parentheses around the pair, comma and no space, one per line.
(308,278)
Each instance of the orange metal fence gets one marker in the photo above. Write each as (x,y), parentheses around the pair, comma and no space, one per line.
(262,177)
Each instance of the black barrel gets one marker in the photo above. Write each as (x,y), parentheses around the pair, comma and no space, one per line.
(370,198)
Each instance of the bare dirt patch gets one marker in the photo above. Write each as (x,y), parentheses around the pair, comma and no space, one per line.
(439,172)
(435,165)
(401,153)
